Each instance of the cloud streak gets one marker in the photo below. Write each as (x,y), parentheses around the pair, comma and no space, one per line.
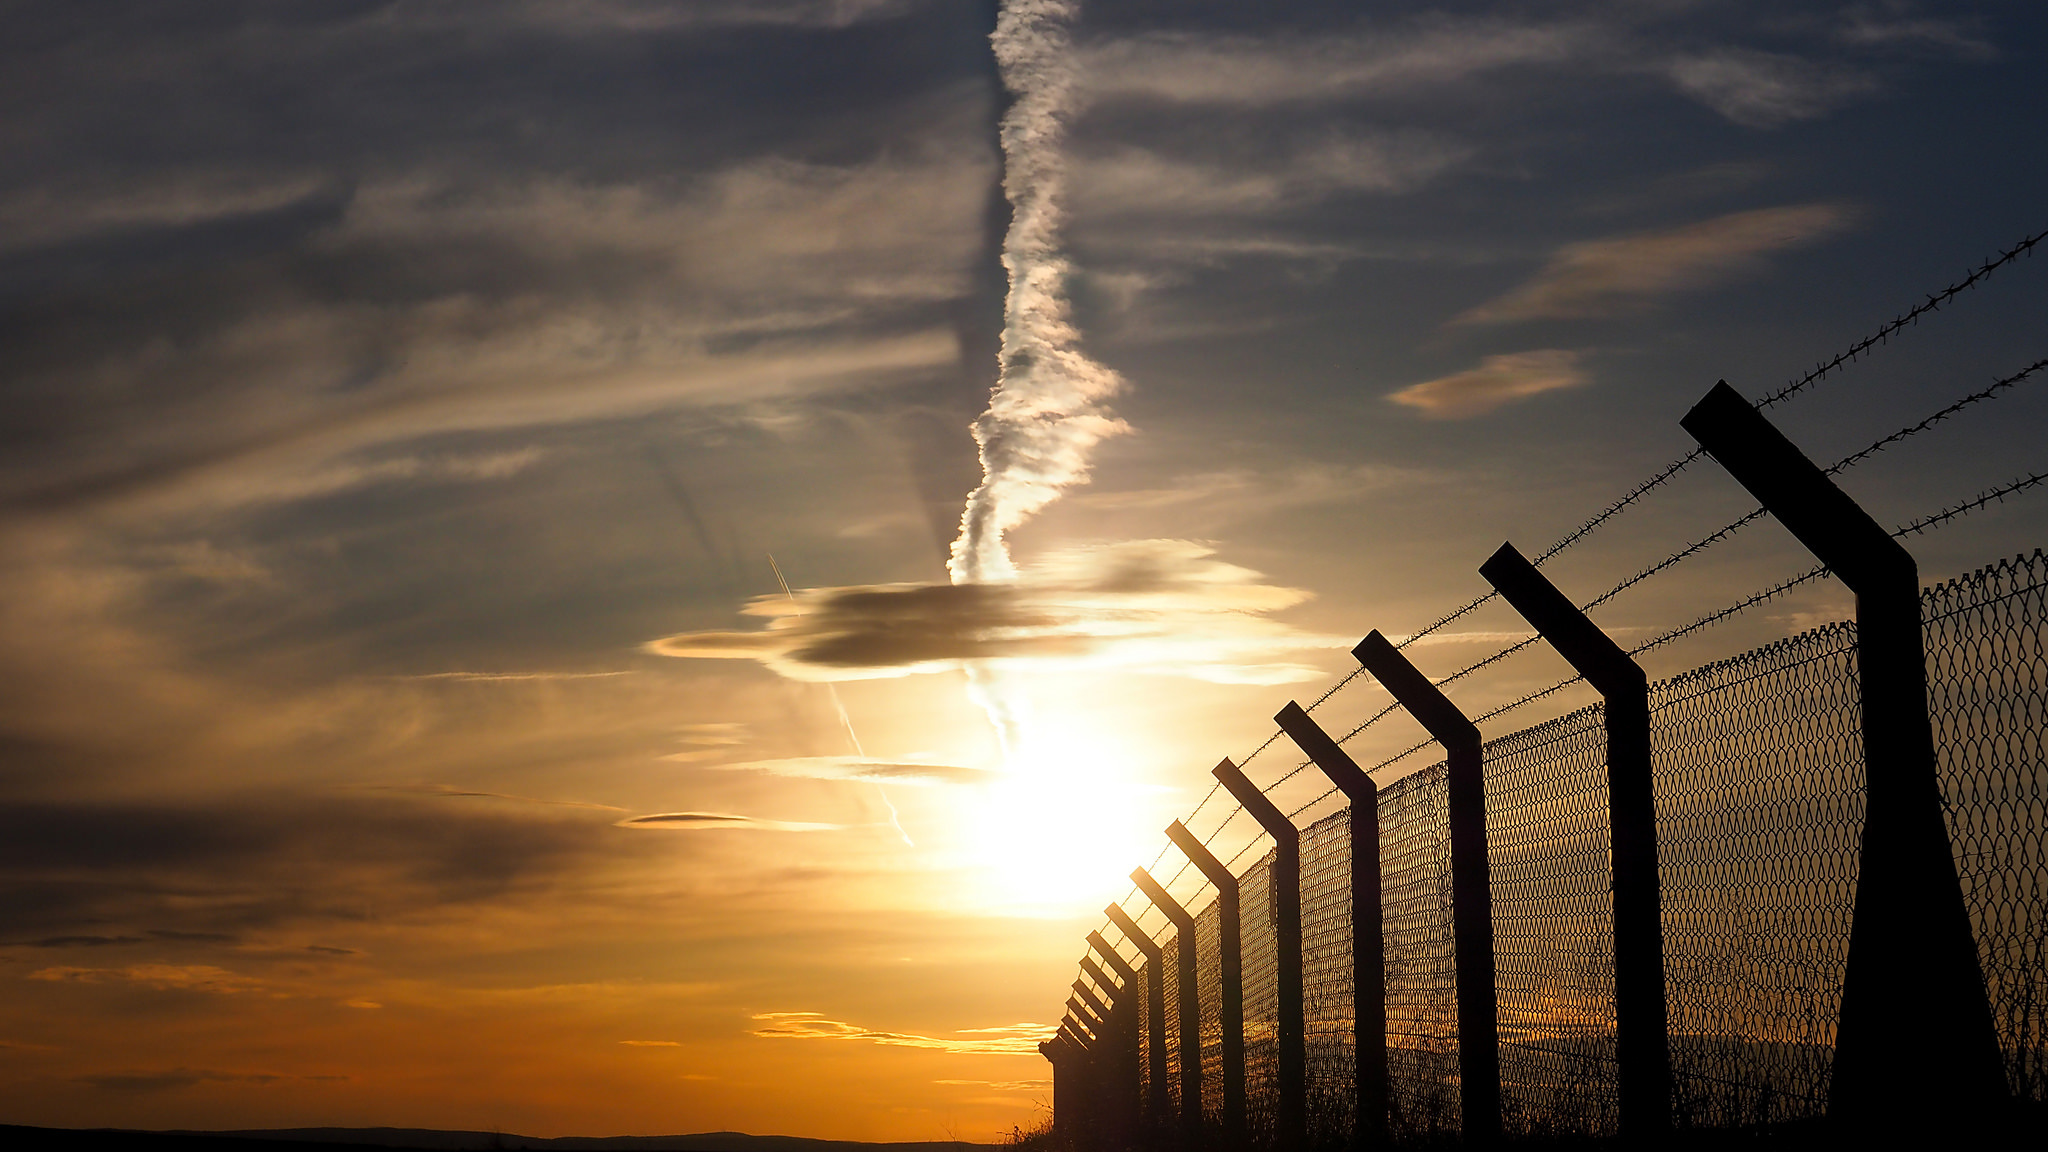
(1008,1040)
(864,769)
(718,822)
(1165,606)
(1498,380)
(1624,274)
(1046,413)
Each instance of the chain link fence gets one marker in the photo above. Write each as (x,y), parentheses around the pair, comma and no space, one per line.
(1758,766)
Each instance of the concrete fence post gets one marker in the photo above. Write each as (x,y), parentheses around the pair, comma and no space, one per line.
(1916,1046)
(1230,962)
(1642,1041)
(1159,1094)
(1471,883)
(1190,1006)
(1285,897)
(1369,1123)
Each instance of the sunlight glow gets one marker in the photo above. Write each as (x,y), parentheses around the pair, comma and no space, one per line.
(1063,828)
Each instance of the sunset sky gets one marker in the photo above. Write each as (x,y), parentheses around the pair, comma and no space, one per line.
(402,719)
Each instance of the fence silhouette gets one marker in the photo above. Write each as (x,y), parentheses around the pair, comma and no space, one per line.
(1646,912)
(1758,770)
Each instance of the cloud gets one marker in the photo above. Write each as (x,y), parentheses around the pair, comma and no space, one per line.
(1163,606)
(1497,380)
(1767,89)
(866,769)
(1193,68)
(1866,28)
(1622,274)
(719,822)
(1003,1085)
(160,977)
(467,304)
(1008,1040)
(1137,181)
(451,790)
(652,1043)
(179,1078)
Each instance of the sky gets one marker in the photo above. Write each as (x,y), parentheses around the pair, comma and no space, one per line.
(613,566)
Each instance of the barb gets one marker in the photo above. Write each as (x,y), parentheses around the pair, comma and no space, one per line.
(1996,387)
(1912,316)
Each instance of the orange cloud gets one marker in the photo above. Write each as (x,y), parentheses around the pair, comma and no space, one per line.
(1007,1040)
(1626,273)
(1497,380)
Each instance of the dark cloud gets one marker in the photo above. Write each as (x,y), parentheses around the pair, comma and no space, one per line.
(1165,605)
(719,822)
(180,1078)
(77,863)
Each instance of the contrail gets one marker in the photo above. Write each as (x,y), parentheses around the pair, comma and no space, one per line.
(1045,414)
(895,821)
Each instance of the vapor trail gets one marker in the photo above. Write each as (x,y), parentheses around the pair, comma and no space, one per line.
(1045,413)
(895,820)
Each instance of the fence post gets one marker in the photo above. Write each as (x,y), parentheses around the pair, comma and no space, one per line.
(1155,1008)
(1642,1041)
(1915,1042)
(1471,883)
(1368,939)
(1057,1053)
(1130,1100)
(1102,1011)
(1230,961)
(1097,1027)
(1285,896)
(1190,1004)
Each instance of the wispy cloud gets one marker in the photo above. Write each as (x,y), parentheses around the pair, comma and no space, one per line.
(160,977)
(719,822)
(451,790)
(1138,181)
(1165,606)
(866,769)
(1497,380)
(1768,89)
(1630,273)
(1242,70)
(1007,1040)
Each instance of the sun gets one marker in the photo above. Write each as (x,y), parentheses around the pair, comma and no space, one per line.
(1061,831)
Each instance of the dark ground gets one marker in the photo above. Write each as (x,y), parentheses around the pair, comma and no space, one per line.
(23,1139)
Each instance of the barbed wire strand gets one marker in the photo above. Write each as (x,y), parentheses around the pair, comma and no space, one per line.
(1820,371)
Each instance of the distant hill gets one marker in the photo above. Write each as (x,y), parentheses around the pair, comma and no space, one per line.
(341,1139)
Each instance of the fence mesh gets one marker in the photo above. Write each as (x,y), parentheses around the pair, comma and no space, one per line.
(1758,767)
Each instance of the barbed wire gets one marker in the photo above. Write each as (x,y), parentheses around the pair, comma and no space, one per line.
(1934,520)
(1820,371)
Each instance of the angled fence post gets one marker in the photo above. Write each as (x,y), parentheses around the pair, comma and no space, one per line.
(1101,1010)
(1190,1014)
(1471,883)
(1160,1097)
(1915,1043)
(1230,961)
(1642,1041)
(1058,1052)
(1116,1071)
(1286,901)
(1097,1028)
(1130,1098)
(1368,939)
